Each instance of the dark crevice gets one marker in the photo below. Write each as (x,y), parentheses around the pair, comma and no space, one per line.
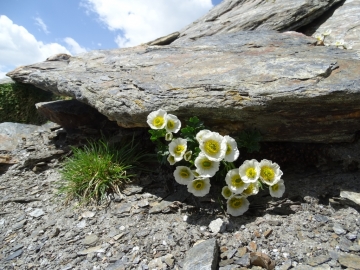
(310,28)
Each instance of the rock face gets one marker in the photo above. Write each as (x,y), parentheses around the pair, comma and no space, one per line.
(279,83)
(236,15)
(344,24)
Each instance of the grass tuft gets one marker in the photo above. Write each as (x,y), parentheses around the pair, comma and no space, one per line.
(97,169)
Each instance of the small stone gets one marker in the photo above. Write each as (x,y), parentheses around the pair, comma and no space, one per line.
(202,256)
(130,190)
(355,248)
(261,259)
(321,218)
(338,229)
(14,255)
(315,261)
(217,225)
(244,260)
(226,262)
(81,224)
(349,260)
(267,233)
(286,265)
(37,213)
(169,260)
(252,246)
(143,203)
(241,251)
(90,239)
(156,264)
(88,214)
(351,236)
(91,250)
(257,234)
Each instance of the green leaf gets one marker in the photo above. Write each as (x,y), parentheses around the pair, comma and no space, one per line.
(250,140)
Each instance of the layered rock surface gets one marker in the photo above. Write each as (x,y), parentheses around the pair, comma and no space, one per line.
(236,15)
(279,83)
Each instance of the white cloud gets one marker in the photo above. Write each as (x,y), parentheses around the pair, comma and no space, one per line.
(19,47)
(41,24)
(144,20)
(75,48)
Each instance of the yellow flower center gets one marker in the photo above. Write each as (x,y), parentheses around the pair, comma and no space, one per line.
(275,187)
(171,159)
(184,173)
(235,202)
(250,189)
(158,121)
(250,172)
(198,184)
(267,173)
(206,164)
(236,181)
(179,149)
(228,149)
(212,147)
(227,192)
(170,124)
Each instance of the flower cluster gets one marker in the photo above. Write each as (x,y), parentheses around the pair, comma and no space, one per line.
(199,153)
(340,43)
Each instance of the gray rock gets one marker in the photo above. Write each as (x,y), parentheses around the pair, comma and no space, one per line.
(338,229)
(217,225)
(343,23)
(350,260)
(180,195)
(262,78)
(350,195)
(237,15)
(90,239)
(202,256)
(14,255)
(315,261)
(244,260)
(37,213)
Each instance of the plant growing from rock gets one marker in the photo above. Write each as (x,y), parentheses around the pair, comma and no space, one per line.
(97,169)
(200,154)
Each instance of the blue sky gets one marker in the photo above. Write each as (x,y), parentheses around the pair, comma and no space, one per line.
(31,31)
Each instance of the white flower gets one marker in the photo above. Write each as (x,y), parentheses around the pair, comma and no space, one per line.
(319,37)
(205,167)
(234,182)
(237,205)
(171,159)
(252,189)
(250,171)
(183,175)
(173,124)
(187,155)
(168,136)
(226,192)
(232,152)
(201,133)
(157,119)
(270,172)
(327,32)
(339,43)
(199,187)
(177,148)
(278,189)
(213,145)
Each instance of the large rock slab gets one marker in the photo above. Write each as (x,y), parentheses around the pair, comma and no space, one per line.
(279,83)
(234,15)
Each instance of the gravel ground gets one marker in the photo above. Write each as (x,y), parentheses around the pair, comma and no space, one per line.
(156,223)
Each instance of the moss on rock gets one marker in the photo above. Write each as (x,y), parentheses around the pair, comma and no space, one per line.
(17,102)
